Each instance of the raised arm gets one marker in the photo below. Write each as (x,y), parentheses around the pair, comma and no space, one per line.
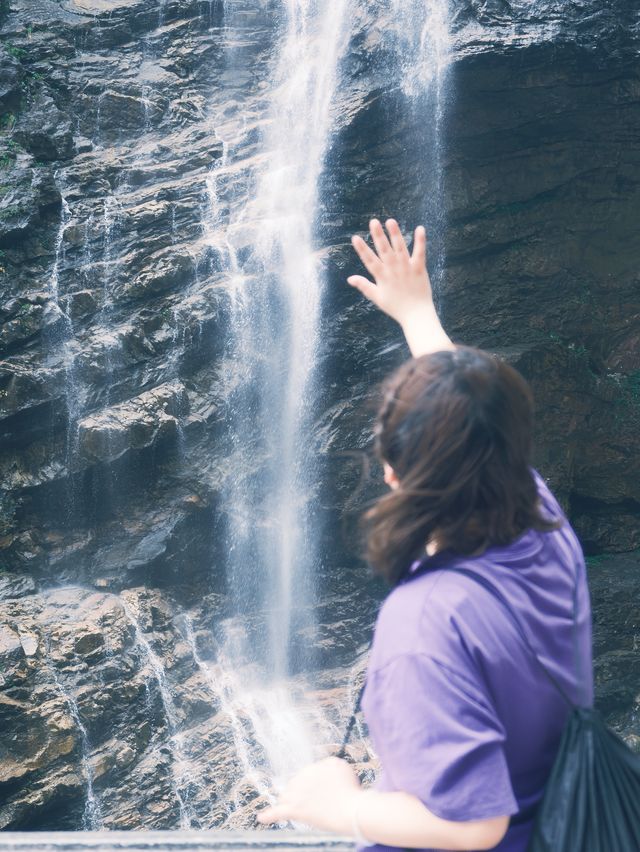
(402,288)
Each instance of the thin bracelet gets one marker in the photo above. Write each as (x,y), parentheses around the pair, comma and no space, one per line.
(358,836)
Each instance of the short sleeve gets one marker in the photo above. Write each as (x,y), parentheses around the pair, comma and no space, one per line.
(438,738)
(549,502)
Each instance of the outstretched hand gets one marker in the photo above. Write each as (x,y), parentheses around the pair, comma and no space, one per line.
(401,287)
(401,279)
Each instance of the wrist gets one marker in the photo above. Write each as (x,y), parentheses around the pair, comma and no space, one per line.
(424,312)
(355,827)
(423,330)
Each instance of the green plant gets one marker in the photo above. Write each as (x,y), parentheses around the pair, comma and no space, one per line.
(8,156)
(16,52)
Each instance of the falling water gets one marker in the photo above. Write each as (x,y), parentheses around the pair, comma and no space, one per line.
(422,55)
(276,320)
(287,203)
(273,355)
(219,680)
(423,45)
(59,245)
(92,816)
(276,295)
(64,344)
(181,773)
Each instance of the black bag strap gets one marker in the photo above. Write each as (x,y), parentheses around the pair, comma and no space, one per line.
(498,595)
(342,753)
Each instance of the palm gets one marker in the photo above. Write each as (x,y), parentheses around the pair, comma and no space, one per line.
(401,279)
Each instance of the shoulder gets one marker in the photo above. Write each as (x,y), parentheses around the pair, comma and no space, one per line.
(427,615)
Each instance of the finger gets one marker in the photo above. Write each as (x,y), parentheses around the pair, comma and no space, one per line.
(368,289)
(397,240)
(419,255)
(367,256)
(379,238)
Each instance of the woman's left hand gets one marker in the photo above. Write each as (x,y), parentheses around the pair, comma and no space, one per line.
(322,795)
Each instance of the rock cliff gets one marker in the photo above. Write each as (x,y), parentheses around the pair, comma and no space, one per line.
(116,374)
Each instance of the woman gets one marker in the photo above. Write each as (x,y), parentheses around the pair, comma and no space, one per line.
(463,717)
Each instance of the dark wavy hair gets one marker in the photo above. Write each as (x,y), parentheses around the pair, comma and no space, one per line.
(456,427)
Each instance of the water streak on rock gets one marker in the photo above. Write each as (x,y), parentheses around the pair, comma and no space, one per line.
(92,816)
(182,773)
(220,682)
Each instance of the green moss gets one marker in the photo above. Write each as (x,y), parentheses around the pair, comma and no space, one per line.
(8,155)
(16,52)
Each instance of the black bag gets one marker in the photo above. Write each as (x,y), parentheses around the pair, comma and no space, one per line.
(591,801)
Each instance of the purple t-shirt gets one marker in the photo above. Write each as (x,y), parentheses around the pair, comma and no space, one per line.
(459,712)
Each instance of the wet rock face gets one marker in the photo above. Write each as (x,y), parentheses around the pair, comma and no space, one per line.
(115,376)
(69,738)
(540,187)
(114,284)
(541,261)
(111,294)
(116,715)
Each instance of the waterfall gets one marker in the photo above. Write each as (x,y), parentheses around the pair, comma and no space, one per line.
(260,217)
(264,235)
(59,249)
(285,210)
(275,331)
(423,44)
(272,363)
(422,51)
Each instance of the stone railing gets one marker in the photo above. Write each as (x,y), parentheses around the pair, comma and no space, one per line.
(169,841)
